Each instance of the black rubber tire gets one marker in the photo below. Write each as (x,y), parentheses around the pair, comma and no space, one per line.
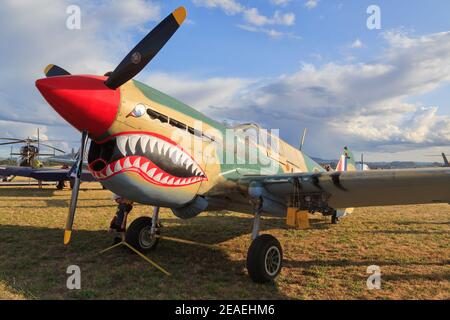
(256,258)
(134,234)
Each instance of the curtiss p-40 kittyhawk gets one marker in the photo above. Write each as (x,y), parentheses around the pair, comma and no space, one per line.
(155,150)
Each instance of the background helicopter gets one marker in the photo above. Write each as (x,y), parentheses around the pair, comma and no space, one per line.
(29,153)
(29,165)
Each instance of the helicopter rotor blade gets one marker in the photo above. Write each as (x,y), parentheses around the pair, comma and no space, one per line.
(54,148)
(15,142)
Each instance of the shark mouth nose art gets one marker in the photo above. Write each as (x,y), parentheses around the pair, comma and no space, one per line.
(155,158)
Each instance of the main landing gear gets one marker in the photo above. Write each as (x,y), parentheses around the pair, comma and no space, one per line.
(143,233)
(265,256)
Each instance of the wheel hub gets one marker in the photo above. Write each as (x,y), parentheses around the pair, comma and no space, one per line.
(272,260)
(146,239)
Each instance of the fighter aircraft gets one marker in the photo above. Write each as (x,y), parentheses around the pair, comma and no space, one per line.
(155,150)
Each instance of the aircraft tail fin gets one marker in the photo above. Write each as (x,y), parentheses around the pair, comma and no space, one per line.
(446,164)
(346,161)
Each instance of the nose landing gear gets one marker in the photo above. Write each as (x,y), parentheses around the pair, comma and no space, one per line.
(264,256)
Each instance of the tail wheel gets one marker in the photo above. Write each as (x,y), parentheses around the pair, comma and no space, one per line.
(139,235)
(264,259)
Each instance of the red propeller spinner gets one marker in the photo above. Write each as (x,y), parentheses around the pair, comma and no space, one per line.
(82,100)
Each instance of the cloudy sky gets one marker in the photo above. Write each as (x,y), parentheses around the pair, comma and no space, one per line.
(285,64)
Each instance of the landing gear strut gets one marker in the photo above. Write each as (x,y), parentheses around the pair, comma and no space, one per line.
(60,185)
(265,256)
(143,233)
(334,218)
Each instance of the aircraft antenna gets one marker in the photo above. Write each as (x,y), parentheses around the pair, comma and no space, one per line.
(303,139)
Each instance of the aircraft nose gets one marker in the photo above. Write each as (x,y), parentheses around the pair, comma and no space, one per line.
(82,100)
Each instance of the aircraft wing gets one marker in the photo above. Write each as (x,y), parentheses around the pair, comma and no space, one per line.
(43,174)
(355,188)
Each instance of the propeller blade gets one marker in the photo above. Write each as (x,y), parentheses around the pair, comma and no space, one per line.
(147,49)
(75,190)
(53,71)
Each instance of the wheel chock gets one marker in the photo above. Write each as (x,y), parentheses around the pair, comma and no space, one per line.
(297,218)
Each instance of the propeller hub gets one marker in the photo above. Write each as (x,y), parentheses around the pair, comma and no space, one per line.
(82,100)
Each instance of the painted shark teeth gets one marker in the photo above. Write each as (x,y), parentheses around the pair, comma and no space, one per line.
(155,159)
(121,142)
(146,167)
(151,172)
(127,146)
(127,164)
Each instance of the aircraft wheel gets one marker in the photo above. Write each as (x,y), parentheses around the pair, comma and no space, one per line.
(138,235)
(264,259)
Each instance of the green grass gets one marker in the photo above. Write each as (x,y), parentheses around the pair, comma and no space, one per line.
(409,243)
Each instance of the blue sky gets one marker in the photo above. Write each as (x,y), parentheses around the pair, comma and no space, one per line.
(283,64)
(213,42)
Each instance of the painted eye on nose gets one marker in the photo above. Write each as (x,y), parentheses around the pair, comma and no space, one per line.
(138,111)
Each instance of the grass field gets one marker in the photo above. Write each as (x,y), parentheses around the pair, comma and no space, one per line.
(411,244)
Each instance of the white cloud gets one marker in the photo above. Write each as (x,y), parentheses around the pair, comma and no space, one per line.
(201,93)
(270,32)
(357,44)
(251,15)
(360,104)
(280,2)
(364,105)
(35,34)
(128,13)
(311,4)
(230,7)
